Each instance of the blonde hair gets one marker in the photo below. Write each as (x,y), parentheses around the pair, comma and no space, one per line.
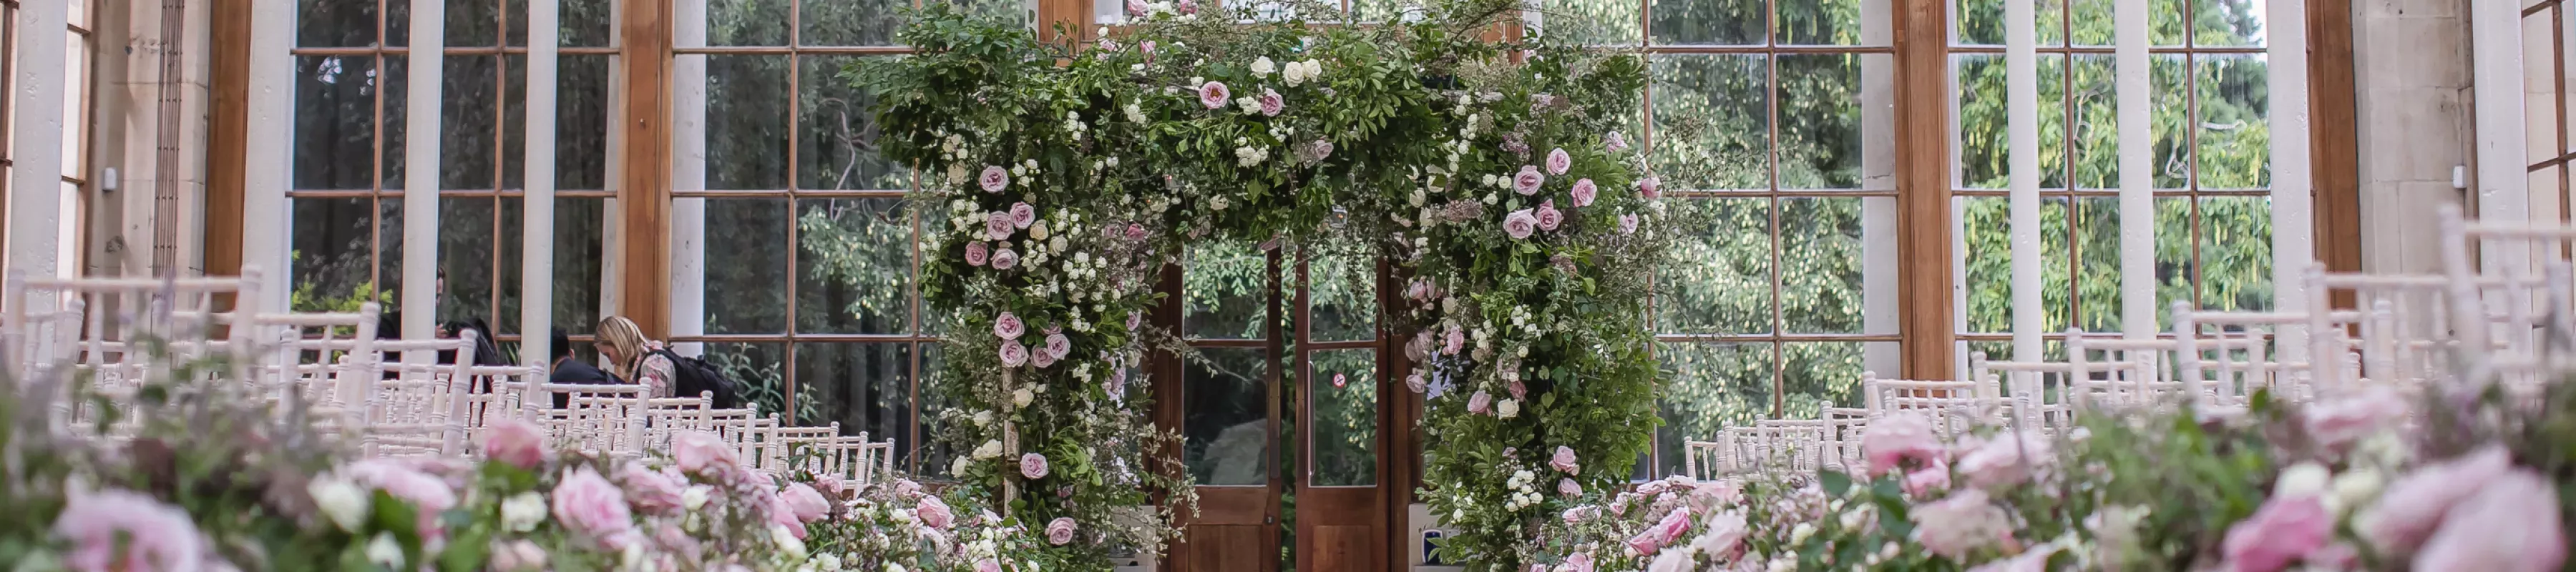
(621,334)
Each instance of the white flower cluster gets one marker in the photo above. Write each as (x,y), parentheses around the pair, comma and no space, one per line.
(1298,73)
(1073,123)
(1246,155)
(1524,485)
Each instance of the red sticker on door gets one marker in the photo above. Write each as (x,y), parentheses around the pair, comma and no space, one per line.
(1339,381)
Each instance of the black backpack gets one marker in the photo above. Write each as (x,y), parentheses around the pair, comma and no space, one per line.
(692,376)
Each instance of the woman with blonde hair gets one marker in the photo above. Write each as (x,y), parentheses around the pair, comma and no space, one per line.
(631,357)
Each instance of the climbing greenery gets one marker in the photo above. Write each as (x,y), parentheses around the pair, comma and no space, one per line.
(1060,177)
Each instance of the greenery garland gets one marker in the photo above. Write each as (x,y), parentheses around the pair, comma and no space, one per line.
(1059,178)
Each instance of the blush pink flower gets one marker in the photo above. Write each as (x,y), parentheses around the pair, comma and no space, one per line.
(1614,142)
(429,494)
(1962,523)
(1481,403)
(1520,224)
(1650,187)
(1628,224)
(1060,531)
(1214,95)
(1564,461)
(1058,345)
(1569,488)
(1041,359)
(2510,525)
(1135,7)
(934,512)
(2335,423)
(1723,536)
(1558,161)
(2282,532)
(1579,562)
(805,502)
(153,536)
(515,443)
(1004,259)
(1023,215)
(1528,180)
(1189,6)
(1008,326)
(988,565)
(701,452)
(1891,441)
(1663,533)
(1271,104)
(994,179)
(1548,217)
(1135,231)
(977,253)
(1414,382)
(2004,461)
(1517,389)
(1584,192)
(648,489)
(782,515)
(1014,355)
(1033,466)
(2414,506)
(1454,341)
(588,504)
(997,225)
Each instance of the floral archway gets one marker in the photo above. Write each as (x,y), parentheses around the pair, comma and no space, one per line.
(1490,167)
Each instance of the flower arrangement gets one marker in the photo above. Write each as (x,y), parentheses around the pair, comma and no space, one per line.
(1493,172)
(2468,478)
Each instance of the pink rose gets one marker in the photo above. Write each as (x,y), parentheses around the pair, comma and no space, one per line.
(2280,533)
(1962,523)
(1579,562)
(648,489)
(1517,389)
(1894,439)
(1724,537)
(1558,161)
(994,179)
(2004,461)
(1480,403)
(782,514)
(1548,217)
(2346,420)
(2509,525)
(1455,341)
(1135,231)
(1023,215)
(429,494)
(1014,354)
(1135,7)
(1414,382)
(977,253)
(1925,480)
(1134,319)
(1004,259)
(699,451)
(1584,192)
(1520,224)
(1033,466)
(2413,506)
(988,565)
(905,488)
(1147,47)
(1627,224)
(1662,533)
(1527,182)
(586,503)
(1650,187)
(1563,462)
(933,512)
(1579,514)
(997,225)
(1418,291)
(1569,488)
(1008,326)
(1323,148)
(1060,531)
(519,555)
(1614,142)
(1058,344)
(805,502)
(515,443)
(1271,104)
(1214,95)
(1041,359)
(1189,6)
(153,536)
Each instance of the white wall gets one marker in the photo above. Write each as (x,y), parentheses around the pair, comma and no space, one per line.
(2411,67)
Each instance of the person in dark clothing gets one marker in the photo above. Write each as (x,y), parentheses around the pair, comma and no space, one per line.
(486,351)
(567,369)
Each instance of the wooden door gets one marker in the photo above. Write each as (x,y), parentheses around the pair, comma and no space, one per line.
(1341,481)
(1224,302)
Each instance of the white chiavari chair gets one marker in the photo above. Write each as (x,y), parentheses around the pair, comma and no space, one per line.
(420,408)
(797,447)
(2041,394)
(1953,407)
(1706,460)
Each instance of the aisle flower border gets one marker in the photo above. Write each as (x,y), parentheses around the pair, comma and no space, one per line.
(1057,179)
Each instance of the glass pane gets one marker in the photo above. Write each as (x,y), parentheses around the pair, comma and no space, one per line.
(466,237)
(1833,22)
(397,21)
(577,231)
(757,371)
(335,123)
(1984,141)
(514,122)
(1225,289)
(2097,250)
(2236,253)
(2097,132)
(2227,23)
(1714,386)
(1815,373)
(1725,288)
(1342,296)
(2176,269)
(746,121)
(1981,22)
(836,138)
(1227,427)
(2235,136)
(1712,121)
(1596,22)
(936,454)
(747,23)
(746,274)
(1821,265)
(863,388)
(851,23)
(585,23)
(1985,229)
(469,124)
(334,252)
(1730,22)
(395,74)
(1822,132)
(1344,418)
(855,266)
(581,123)
(473,23)
(335,23)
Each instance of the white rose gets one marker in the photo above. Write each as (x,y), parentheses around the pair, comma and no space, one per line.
(959,466)
(2303,479)
(343,502)
(523,512)
(787,541)
(1508,408)
(383,551)
(989,450)
(1262,66)
(695,497)
(1022,397)
(2356,487)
